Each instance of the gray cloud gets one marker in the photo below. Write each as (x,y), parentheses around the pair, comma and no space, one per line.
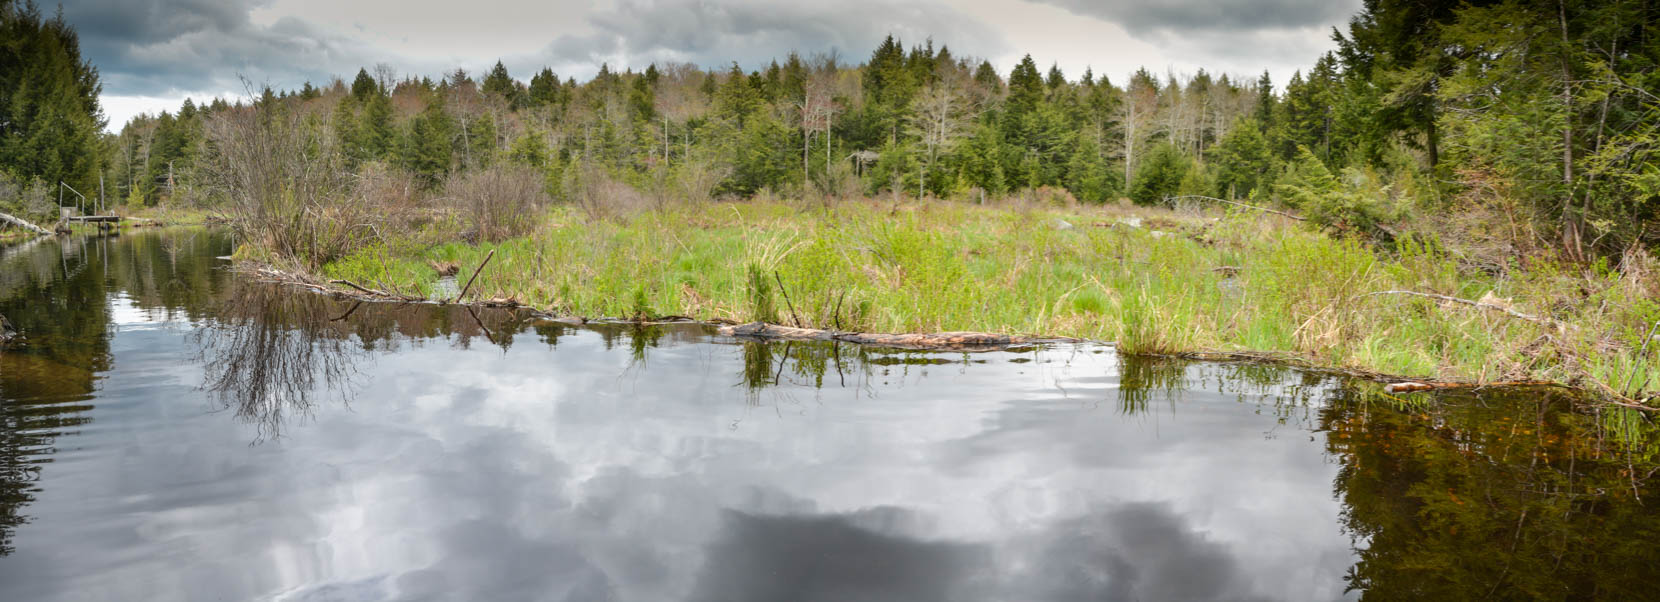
(1211,15)
(154,47)
(637,32)
(150,47)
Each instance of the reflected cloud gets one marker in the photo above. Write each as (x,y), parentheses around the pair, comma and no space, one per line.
(835,557)
(1135,551)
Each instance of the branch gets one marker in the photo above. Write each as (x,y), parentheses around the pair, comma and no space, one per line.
(1478,304)
(480,268)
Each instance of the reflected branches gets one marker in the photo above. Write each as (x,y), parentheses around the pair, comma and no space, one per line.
(269,350)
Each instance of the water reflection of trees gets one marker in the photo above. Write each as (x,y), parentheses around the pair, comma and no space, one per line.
(268,351)
(56,292)
(271,353)
(1474,496)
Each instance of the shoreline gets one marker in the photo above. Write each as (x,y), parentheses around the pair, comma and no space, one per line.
(1206,284)
(958,341)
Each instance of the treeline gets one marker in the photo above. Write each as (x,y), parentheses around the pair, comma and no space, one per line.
(917,121)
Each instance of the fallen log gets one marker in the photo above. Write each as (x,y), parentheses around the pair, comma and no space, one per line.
(948,341)
(19,222)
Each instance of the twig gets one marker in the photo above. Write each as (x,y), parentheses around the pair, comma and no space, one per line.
(787,302)
(369,291)
(470,280)
(1479,304)
(837,316)
(1262,209)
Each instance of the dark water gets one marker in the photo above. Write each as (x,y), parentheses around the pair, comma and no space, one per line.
(167,433)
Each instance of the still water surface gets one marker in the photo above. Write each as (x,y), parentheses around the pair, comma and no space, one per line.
(169,431)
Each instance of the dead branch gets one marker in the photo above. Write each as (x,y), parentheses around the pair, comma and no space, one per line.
(787,302)
(470,280)
(954,341)
(1477,304)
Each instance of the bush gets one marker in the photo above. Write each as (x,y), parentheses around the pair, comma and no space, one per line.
(498,202)
(285,183)
(1357,200)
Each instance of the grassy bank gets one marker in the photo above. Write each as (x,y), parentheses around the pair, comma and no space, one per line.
(1154,281)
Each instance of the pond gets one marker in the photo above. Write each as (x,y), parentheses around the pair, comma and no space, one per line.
(171,430)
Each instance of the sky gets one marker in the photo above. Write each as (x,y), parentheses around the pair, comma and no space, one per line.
(152,54)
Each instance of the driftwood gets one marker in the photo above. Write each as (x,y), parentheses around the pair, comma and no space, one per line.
(19,222)
(1477,304)
(948,341)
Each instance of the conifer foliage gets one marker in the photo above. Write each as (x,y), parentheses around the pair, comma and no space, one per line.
(49,116)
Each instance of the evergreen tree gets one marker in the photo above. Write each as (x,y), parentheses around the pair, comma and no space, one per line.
(1025,89)
(1265,102)
(544,88)
(986,76)
(501,85)
(1160,175)
(49,114)
(737,98)
(364,86)
(428,147)
(1241,161)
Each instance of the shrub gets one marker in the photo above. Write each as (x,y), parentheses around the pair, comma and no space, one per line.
(498,202)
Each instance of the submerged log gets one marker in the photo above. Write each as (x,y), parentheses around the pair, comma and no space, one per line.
(19,222)
(950,341)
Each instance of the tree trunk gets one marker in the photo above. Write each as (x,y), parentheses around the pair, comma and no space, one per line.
(19,222)
(1572,221)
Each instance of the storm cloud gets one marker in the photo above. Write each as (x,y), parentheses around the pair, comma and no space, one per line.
(152,53)
(637,32)
(1211,15)
(149,47)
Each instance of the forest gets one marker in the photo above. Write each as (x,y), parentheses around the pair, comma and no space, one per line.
(1519,126)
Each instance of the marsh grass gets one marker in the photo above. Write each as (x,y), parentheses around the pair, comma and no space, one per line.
(1217,282)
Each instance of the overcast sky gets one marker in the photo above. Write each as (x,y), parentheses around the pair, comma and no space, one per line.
(154,53)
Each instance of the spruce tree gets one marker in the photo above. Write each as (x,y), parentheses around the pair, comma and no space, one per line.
(49,114)
(364,86)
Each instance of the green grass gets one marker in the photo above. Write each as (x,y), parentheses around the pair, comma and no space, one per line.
(942,266)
